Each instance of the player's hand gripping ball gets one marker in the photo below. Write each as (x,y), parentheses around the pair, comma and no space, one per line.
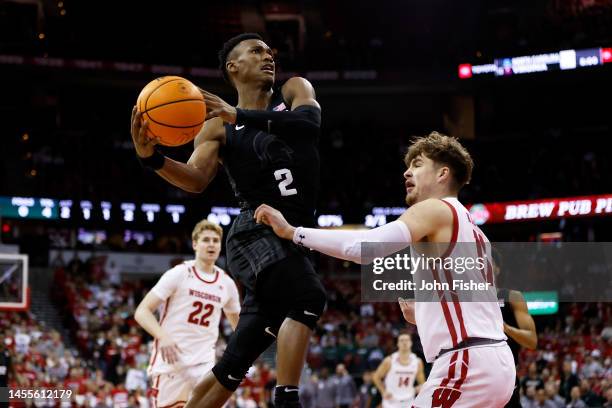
(173,108)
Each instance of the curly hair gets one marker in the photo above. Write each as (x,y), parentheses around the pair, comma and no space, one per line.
(444,150)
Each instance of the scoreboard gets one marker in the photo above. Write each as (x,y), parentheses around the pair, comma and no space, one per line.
(526,64)
(101,212)
(87,210)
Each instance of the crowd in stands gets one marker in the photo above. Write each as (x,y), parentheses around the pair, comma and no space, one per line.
(104,354)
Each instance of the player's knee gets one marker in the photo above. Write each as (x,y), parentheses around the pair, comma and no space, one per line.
(310,307)
(231,370)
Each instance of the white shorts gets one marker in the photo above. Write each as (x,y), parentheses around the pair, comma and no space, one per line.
(172,390)
(397,403)
(477,377)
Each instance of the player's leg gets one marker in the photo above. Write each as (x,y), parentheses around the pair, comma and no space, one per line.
(292,345)
(197,378)
(246,344)
(170,390)
(479,377)
(305,298)
(391,404)
(515,400)
(209,393)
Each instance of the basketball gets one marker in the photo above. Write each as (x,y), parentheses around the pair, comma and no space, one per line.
(174,109)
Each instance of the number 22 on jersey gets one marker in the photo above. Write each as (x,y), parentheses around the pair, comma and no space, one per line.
(193,316)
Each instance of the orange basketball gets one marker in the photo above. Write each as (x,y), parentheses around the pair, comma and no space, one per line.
(175,109)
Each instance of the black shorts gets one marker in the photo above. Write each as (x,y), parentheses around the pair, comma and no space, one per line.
(253,247)
(277,275)
(274,291)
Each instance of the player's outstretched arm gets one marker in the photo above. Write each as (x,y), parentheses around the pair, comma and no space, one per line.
(378,376)
(424,219)
(525,334)
(146,319)
(193,176)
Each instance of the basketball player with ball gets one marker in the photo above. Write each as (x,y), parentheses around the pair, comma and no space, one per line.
(268,145)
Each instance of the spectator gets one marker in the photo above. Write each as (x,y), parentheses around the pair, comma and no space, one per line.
(532,379)
(540,401)
(608,403)
(22,340)
(575,400)
(588,396)
(120,396)
(326,391)
(592,367)
(552,393)
(245,399)
(113,273)
(528,398)
(308,392)
(569,380)
(606,333)
(346,391)
(369,397)
(136,379)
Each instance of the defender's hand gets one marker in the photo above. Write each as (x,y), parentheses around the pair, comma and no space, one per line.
(217,107)
(274,218)
(145,145)
(407,307)
(169,350)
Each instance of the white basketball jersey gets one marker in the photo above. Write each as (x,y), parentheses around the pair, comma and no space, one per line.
(192,312)
(445,323)
(399,381)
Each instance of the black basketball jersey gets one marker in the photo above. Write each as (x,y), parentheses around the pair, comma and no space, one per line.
(508,315)
(282,172)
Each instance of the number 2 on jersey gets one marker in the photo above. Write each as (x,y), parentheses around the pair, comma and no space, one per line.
(285,177)
(193,316)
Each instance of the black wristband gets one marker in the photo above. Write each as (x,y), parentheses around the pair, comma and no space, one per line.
(154,162)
